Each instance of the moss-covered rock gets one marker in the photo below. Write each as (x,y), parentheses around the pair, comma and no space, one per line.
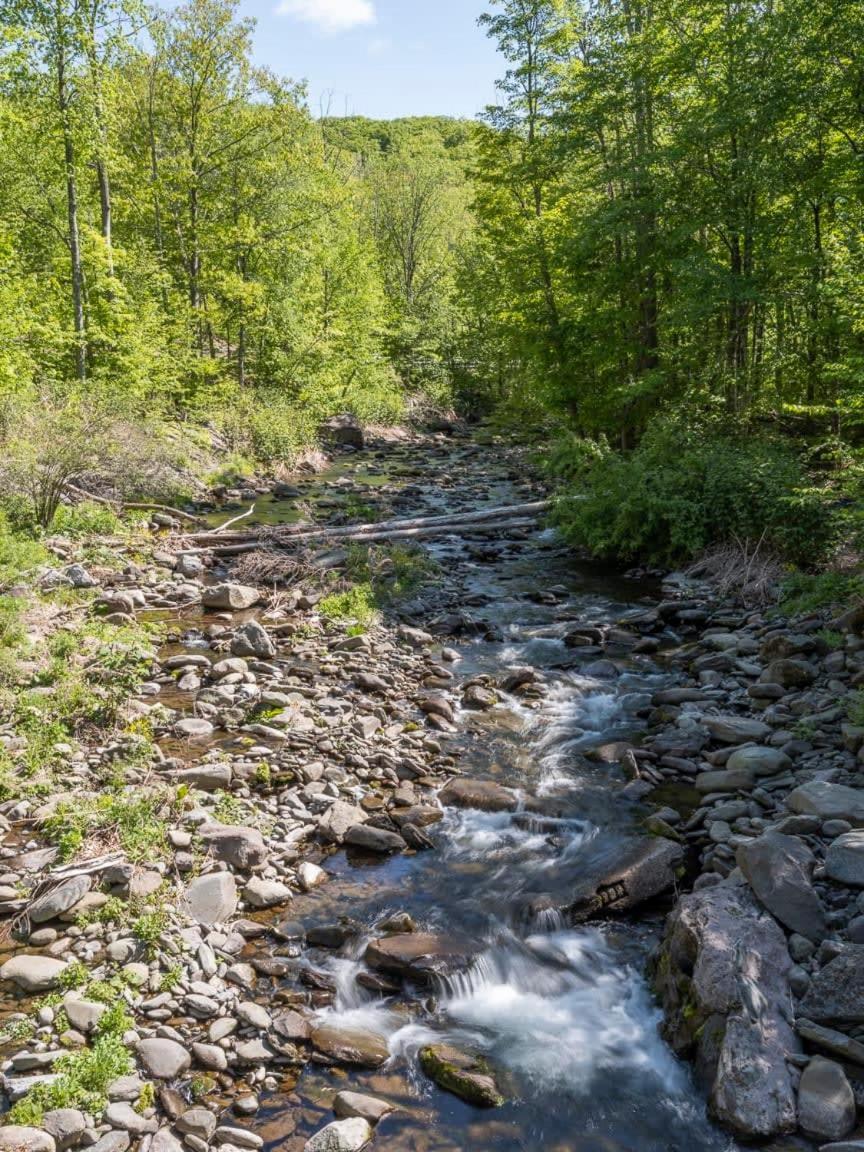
(462,1074)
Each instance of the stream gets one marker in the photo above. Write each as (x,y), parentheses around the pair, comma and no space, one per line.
(563,1014)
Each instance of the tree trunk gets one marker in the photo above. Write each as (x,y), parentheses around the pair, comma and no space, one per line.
(72,214)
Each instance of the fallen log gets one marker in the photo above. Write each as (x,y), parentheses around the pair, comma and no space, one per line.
(278,544)
(300,533)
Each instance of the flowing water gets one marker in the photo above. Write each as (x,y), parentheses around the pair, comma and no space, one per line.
(563,1013)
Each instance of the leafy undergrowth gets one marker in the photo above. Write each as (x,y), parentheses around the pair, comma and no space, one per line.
(380,576)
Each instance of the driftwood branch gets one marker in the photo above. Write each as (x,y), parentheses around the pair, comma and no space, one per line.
(122,505)
(228,523)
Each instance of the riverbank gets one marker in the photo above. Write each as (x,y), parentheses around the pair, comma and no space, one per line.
(400,859)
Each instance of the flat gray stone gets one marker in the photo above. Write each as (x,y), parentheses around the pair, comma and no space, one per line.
(61,899)
(759,760)
(18,1138)
(828,801)
(33,973)
(736,729)
(241,847)
(233,597)
(778,869)
(260,893)
(836,992)
(211,899)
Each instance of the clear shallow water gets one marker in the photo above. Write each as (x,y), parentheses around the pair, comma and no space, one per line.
(563,1014)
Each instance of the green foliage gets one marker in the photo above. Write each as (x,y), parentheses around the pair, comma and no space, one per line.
(855,707)
(683,490)
(83,1079)
(86,519)
(356,605)
(136,821)
(804,592)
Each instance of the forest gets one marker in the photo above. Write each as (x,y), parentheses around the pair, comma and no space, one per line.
(649,253)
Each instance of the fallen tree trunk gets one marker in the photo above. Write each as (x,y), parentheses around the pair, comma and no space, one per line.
(275,544)
(300,534)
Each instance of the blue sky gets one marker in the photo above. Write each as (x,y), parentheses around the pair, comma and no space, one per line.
(380,58)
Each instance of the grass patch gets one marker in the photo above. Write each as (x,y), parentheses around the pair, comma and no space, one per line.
(804,592)
(135,822)
(357,605)
(83,1077)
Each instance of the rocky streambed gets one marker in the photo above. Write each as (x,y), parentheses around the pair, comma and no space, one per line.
(546,857)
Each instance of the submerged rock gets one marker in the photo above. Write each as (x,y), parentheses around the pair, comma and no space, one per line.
(349,1135)
(351,1046)
(722,978)
(464,1075)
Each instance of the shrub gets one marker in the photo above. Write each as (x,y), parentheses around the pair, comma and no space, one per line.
(683,490)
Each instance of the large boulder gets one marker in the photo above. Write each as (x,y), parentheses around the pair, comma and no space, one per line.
(17,1138)
(643,868)
(828,801)
(778,869)
(343,429)
(836,992)
(230,597)
(722,977)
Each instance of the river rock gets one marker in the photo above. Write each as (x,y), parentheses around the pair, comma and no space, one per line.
(720,952)
(233,597)
(347,431)
(844,860)
(83,1014)
(830,1040)
(778,869)
(828,801)
(65,1125)
(338,818)
(826,1102)
(356,1104)
(351,1046)
(484,795)
(211,899)
(208,776)
(59,900)
(349,1135)
(253,640)
(788,673)
(33,973)
(836,992)
(374,839)
(758,760)
(198,1122)
(260,893)
(419,955)
(725,780)
(163,1059)
(194,728)
(736,729)
(642,869)
(242,848)
(19,1138)
(464,1075)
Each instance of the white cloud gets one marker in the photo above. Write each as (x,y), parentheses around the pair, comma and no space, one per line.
(330,15)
